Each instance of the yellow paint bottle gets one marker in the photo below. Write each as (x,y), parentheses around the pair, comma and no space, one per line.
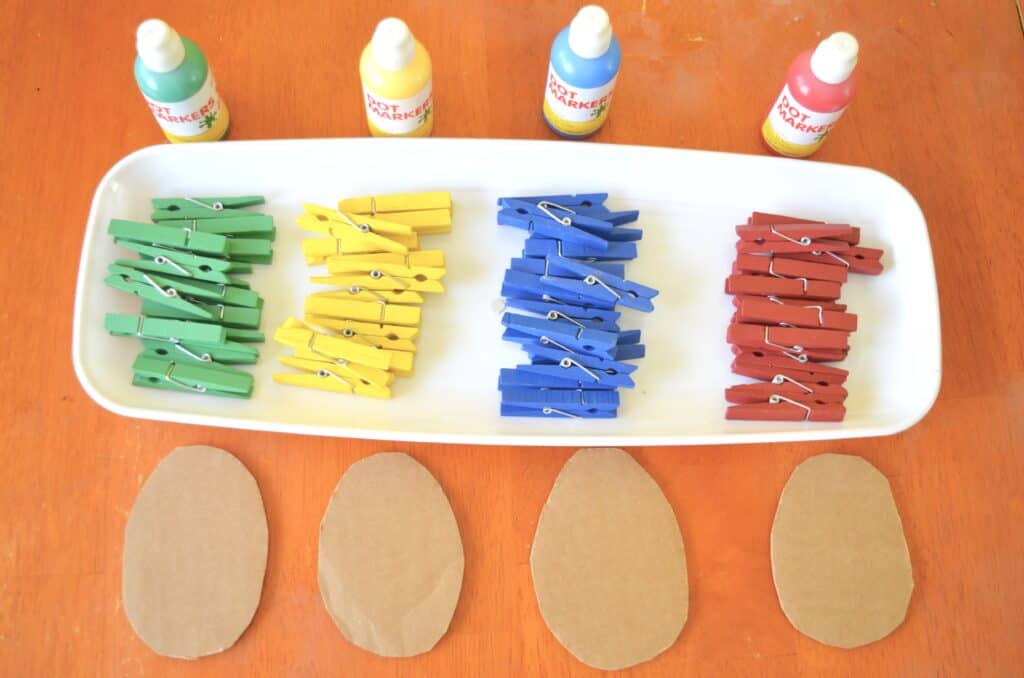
(397,83)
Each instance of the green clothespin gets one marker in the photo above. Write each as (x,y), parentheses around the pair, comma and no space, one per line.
(150,290)
(181,238)
(166,266)
(254,250)
(186,258)
(245,336)
(229,316)
(169,373)
(249,225)
(202,208)
(227,353)
(162,329)
(174,286)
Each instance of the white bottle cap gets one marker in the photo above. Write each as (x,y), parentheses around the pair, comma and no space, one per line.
(590,33)
(159,46)
(392,45)
(835,58)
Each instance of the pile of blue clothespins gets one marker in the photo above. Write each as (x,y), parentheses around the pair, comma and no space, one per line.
(565,290)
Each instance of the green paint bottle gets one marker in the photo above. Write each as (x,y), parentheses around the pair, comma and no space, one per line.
(178,85)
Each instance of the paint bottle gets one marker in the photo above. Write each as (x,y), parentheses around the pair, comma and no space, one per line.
(178,85)
(397,83)
(819,86)
(585,59)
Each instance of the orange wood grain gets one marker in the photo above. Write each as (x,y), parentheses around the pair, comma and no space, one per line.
(939,108)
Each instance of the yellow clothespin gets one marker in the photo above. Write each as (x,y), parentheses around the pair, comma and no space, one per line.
(424,222)
(327,377)
(383,296)
(317,250)
(352,372)
(378,280)
(376,225)
(371,329)
(366,311)
(420,259)
(356,264)
(355,239)
(377,341)
(343,351)
(295,334)
(397,202)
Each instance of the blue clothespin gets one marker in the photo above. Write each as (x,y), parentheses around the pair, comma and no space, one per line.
(629,352)
(569,216)
(541,352)
(596,318)
(539,266)
(569,200)
(555,413)
(567,332)
(563,214)
(515,378)
(572,368)
(605,214)
(519,285)
(569,402)
(535,246)
(529,341)
(624,235)
(549,228)
(593,284)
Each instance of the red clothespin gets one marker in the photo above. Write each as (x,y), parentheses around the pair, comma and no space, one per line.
(764,218)
(819,355)
(767,312)
(781,408)
(737,299)
(784,238)
(743,394)
(760,365)
(866,260)
(787,340)
(767,286)
(784,267)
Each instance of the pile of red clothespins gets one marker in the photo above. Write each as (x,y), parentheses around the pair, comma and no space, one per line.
(786,283)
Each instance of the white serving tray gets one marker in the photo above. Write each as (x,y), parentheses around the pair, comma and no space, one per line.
(689,202)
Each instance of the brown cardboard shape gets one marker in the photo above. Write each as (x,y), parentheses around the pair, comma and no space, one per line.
(391,561)
(608,562)
(195,552)
(839,557)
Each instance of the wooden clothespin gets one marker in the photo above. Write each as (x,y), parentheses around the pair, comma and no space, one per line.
(168,236)
(297,335)
(365,311)
(231,317)
(357,293)
(393,332)
(203,208)
(190,376)
(429,264)
(397,202)
(330,376)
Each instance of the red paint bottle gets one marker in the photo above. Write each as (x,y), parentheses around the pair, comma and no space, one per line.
(819,86)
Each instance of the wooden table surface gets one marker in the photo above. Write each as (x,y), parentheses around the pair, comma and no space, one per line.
(940,108)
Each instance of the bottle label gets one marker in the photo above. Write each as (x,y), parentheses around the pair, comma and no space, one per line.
(576,110)
(189,117)
(793,129)
(400,116)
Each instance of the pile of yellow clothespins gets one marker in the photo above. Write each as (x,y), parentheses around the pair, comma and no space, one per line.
(359,335)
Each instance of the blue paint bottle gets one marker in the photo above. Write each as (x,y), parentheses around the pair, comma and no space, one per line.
(585,59)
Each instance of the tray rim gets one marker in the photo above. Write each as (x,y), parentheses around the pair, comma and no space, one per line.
(928,295)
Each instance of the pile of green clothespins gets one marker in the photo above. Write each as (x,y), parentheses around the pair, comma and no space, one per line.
(197,318)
